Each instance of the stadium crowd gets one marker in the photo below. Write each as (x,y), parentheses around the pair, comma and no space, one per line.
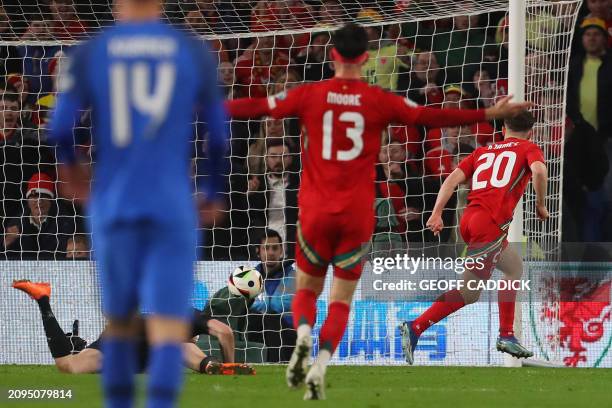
(450,62)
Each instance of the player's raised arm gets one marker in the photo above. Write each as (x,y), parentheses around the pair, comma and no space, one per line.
(435,223)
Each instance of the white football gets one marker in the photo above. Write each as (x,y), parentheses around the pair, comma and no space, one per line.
(245,281)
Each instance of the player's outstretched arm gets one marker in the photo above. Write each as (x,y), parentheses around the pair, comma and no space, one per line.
(540,180)
(435,223)
(248,108)
(409,113)
(282,105)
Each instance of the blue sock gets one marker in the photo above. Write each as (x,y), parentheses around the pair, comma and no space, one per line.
(165,375)
(118,369)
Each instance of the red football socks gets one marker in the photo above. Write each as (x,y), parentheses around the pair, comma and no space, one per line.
(445,305)
(506,301)
(304,308)
(334,326)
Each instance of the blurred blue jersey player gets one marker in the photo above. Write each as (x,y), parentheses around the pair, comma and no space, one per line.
(145,82)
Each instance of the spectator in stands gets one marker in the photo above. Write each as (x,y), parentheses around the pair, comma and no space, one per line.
(384,62)
(22,155)
(9,56)
(270,129)
(601,9)
(284,81)
(77,248)
(423,81)
(273,195)
(313,61)
(392,213)
(460,47)
(331,14)
(258,65)
(45,104)
(484,89)
(66,23)
(9,114)
(410,137)
(439,158)
(202,16)
(41,232)
(37,30)
(22,87)
(501,53)
(589,105)
(585,166)
(35,58)
(590,79)
(455,97)
(270,321)
(227,79)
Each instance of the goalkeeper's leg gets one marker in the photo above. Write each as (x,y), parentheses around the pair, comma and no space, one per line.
(60,346)
(195,359)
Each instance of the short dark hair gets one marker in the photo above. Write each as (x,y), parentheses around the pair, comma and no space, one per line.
(269,233)
(351,40)
(522,122)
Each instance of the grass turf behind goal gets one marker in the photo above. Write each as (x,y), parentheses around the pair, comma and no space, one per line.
(350,386)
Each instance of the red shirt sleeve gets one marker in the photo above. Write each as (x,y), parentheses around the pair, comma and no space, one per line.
(282,105)
(398,109)
(402,110)
(467,165)
(534,154)
(287,104)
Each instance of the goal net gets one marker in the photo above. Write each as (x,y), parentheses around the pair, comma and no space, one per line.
(439,53)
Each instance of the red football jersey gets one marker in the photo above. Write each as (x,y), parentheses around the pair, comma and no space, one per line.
(342,124)
(500,173)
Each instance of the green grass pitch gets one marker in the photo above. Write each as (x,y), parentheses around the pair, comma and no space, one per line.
(352,386)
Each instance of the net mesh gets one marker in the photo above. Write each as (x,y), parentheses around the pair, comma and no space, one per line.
(436,52)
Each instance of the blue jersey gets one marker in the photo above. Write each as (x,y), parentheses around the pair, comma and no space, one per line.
(145,82)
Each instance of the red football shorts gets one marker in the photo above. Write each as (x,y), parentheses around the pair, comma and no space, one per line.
(341,239)
(484,238)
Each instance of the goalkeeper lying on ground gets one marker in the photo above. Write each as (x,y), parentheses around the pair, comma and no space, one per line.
(72,354)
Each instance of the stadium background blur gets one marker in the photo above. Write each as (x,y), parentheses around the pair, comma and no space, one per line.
(450,62)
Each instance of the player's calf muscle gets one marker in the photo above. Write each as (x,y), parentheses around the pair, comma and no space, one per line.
(342,290)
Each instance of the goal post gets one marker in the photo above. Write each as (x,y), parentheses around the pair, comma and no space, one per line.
(437,52)
(517,17)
